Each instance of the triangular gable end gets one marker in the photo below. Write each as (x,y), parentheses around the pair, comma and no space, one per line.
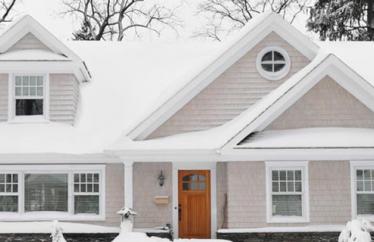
(27,29)
(276,103)
(252,34)
(29,41)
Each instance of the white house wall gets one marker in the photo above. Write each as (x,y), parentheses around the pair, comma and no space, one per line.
(232,93)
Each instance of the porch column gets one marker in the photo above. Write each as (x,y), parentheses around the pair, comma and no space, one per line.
(128,180)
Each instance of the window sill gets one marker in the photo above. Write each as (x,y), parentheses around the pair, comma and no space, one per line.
(287,219)
(47,216)
(28,119)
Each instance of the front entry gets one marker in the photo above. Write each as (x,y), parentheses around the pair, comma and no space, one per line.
(194,204)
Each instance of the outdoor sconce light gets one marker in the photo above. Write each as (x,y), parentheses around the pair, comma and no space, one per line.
(161,178)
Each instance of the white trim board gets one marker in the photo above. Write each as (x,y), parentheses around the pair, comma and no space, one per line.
(257,30)
(213,192)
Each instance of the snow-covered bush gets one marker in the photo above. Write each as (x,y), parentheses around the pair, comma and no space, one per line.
(357,230)
(127,219)
(56,234)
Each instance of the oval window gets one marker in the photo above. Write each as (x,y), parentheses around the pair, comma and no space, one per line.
(273,63)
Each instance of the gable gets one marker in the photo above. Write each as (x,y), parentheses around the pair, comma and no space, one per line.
(327,104)
(29,41)
(234,91)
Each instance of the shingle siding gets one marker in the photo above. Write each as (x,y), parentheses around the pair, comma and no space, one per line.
(4,97)
(29,41)
(326,105)
(231,93)
(146,187)
(329,194)
(63,97)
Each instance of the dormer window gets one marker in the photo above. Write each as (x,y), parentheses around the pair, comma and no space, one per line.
(29,99)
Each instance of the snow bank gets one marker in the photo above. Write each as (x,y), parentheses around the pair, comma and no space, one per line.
(357,230)
(141,237)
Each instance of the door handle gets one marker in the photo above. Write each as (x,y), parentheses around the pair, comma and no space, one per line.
(179,212)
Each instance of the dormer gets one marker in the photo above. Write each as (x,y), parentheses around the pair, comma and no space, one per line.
(39,76)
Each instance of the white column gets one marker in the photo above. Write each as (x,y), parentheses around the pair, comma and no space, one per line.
(128,179)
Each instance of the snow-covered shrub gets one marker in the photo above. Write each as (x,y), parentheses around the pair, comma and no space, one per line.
(127,219)
(357,230)
(56,234)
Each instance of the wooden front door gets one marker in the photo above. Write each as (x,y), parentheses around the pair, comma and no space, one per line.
(194,203)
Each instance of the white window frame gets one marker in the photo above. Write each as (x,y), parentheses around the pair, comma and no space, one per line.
(273,76)
(282,165)
(70,170)
(358,165)
(12,99)
(12,193)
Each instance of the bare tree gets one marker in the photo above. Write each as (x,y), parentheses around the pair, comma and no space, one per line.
(6,8)
(226,16)
(114,19)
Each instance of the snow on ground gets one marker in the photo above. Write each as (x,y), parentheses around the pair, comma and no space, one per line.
(310,228)
(46,227)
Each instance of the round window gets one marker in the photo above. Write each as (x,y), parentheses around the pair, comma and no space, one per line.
(273,63)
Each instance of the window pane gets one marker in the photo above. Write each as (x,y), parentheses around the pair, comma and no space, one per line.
(268,56)
(298,187)
(2,178)
(2,187)
(46,192)
(29,107)
(275,175)
(360,185)
(298,175)
(8,203)
(290,175)
(367,174)
(290,186)
(360,174)
(283,187)
(287,205)
(365,203)
(275,187)
(278,56)
(86,204)
(267,67)
(32,80)
(278,67)
(282,175)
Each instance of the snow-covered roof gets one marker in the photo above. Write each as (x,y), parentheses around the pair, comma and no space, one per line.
(32,55)
(310,138)
(130,80)
(127,78)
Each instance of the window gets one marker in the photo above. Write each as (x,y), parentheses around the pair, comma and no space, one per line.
(362,179)
(273,63)
(53,192)
(8,192)
(86,193)
(29,98)
(287,192)
(46,192)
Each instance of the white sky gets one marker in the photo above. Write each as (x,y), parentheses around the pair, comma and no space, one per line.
(47,12)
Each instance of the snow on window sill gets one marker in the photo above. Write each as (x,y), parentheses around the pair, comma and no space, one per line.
(29,119)
(47,216)
(287,219)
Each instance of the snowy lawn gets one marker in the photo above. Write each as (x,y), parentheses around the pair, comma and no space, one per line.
(141,237)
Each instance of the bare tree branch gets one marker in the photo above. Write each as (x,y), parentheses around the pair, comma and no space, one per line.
(6,7)
(226,16)
(114,19)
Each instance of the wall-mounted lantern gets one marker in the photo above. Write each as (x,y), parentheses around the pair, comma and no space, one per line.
(161,178)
